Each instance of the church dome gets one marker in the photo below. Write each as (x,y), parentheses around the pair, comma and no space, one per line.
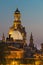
(16,35)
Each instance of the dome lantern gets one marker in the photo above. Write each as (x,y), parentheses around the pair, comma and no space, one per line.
(17,15)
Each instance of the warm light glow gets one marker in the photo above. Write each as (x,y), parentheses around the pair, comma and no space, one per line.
(14,63)
(37,63)
(16,35)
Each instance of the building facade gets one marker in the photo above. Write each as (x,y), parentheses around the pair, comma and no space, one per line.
(15,49)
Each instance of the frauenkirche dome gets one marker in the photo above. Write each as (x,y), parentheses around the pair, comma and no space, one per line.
(17,31)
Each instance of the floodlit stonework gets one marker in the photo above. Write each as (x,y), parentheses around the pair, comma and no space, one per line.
(14,49)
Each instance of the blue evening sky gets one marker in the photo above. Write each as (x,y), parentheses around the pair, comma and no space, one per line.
(31,17)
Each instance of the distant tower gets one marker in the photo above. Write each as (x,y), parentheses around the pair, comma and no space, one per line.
(3,37)
(31,44)
(31,38)
(42,47)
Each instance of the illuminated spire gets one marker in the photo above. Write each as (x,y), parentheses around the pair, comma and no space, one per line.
(31,37)
(3,37)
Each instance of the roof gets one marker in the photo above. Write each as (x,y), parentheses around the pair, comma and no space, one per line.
(17,11)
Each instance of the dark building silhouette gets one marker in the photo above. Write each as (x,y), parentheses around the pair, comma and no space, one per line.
(31,44)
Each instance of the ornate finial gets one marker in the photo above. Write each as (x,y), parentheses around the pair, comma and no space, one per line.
(17,11)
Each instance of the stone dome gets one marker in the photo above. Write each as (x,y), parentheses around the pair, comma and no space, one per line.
(16,35)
